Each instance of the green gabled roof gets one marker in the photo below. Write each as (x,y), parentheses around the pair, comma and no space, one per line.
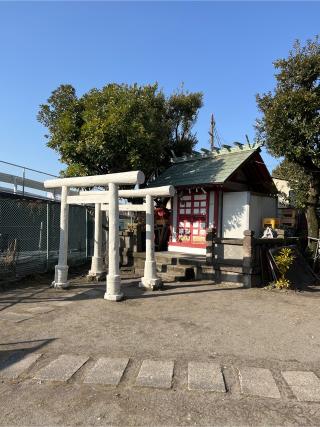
(208,169)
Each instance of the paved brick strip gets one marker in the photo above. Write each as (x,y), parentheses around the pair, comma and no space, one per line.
(206,377)
(304,385)
(155,374)
(258,382)
(107,371)
(202,376)
(62,368)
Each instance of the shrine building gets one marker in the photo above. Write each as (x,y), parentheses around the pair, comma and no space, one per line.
(228,189)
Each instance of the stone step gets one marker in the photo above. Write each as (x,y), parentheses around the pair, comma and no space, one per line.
(228,277)
(231,275)
(139,272)
(195,262)
(222,268)
(170,278)
(205,276)
(176,267)
(139,255)
(139,263)
(208,273)
(161,268)
(230,265)
(166,259)
(182,270)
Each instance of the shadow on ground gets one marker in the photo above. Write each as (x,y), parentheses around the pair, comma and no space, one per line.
(18,350)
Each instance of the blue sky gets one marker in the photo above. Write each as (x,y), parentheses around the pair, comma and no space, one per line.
(224,50)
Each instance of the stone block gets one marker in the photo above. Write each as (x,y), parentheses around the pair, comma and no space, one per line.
(305,385)
(205,376)
(156,374)
(107,371)
(62,368)
(258,382)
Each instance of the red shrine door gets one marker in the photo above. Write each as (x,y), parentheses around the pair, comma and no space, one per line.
(192,219)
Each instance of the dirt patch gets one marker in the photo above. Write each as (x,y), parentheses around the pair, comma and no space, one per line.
(194,321)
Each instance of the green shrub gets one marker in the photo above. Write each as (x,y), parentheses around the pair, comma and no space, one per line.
(284,260)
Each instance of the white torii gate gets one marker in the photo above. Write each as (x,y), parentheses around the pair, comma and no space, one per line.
(113,291)
(150,279)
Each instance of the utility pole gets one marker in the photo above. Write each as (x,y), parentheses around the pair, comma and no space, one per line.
(211,132)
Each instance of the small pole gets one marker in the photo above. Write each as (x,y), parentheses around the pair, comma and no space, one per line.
(87,251)
(48,227)
(211,132)
(40,236)
(23,178)
(15,186)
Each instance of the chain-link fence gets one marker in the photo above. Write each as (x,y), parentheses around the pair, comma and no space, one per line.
(29,236)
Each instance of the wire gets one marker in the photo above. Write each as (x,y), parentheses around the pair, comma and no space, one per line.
(217,137)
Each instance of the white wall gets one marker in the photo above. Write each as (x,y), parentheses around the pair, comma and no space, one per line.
(261,207)
(244,211)
(211,209)
(235,214)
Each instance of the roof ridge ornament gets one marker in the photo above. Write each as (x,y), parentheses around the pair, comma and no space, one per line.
(238,144)
(225,149)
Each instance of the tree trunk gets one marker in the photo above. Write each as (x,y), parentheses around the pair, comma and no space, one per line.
(312,218)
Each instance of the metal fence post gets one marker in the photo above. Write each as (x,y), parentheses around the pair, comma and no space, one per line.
(23,178)
(48,228)
(86,233)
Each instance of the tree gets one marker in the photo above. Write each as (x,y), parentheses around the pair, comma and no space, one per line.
(298,180)
(119,127)
(290,123)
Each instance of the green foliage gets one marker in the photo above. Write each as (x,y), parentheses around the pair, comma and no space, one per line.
(119,127)
(290,125)
(290,122)
(298,180)
(284,261)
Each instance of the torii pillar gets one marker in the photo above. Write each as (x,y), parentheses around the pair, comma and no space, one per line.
(150,279)
(113,291)
(61,270)
(97,270)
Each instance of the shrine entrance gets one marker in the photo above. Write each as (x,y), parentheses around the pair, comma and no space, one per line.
(192,218)
(194,208)
(192,229)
